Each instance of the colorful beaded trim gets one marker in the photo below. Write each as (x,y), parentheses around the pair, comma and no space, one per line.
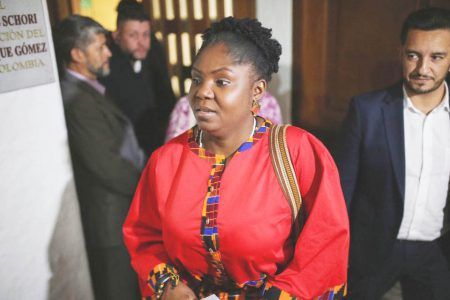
(209,230)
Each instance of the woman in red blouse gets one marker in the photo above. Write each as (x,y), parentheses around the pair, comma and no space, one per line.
(209,216)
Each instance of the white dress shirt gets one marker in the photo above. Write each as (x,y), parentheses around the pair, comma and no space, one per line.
(427,157)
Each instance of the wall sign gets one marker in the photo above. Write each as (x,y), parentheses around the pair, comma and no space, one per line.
(25,59)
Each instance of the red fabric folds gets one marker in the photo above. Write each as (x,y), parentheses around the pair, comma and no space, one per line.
(254,218)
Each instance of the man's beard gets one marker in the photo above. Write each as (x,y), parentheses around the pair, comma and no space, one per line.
(132,57)
(418,91)
(101,71)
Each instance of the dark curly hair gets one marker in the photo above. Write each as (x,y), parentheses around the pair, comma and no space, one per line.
(248,42)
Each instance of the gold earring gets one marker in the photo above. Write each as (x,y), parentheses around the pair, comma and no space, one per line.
(255,107)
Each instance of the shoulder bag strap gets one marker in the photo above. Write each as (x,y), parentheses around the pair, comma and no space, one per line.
(284,170)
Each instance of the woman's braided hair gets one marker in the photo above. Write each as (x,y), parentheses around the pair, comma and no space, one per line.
(248,42)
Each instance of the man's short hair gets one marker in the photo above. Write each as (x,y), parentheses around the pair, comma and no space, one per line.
(431,18)
(74,32)
(130,10)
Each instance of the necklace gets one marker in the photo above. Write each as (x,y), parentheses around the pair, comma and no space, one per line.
(200,133)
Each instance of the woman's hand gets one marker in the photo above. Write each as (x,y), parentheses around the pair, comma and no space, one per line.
(180,292)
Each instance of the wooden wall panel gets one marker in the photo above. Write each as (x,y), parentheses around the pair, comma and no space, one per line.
(343,48)
(59,9)
(244,9)
(192,26)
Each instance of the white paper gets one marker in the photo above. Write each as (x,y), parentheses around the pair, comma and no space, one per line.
(211,297)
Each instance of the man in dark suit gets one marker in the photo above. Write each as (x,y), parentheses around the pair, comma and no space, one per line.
(394,161)
(139,81)
(105,154)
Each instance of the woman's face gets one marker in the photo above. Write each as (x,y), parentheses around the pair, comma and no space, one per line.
(222,91)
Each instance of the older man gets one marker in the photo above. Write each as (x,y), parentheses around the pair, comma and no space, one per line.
(139,82)
(394,163)
(106,157)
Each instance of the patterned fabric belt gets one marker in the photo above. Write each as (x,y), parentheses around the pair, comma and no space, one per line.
(228,291)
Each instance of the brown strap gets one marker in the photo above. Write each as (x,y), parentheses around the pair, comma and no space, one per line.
(282,164)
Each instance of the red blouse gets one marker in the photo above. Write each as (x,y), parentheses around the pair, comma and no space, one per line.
(251,217)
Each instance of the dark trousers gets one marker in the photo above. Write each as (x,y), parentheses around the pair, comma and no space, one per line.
(112,275)
(420,266)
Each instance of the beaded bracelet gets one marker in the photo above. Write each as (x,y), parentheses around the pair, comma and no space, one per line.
(171,278)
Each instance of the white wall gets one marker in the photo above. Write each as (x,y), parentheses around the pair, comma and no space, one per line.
(42,252)
(277,14)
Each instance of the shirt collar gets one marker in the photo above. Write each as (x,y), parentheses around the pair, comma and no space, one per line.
(444,104)
(94,83)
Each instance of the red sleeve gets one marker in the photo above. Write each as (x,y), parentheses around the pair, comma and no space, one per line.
(319,265)
(142,230)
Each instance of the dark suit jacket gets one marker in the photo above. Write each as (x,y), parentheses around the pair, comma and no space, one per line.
(146,97)
(371,161)
(105,181)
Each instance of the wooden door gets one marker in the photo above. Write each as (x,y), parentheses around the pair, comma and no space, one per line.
(343,48)
(59,9)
